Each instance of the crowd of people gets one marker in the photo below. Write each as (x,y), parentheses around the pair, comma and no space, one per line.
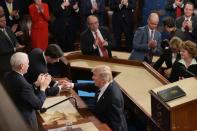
(25,75)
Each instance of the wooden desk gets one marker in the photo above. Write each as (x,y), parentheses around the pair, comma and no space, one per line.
(136,79)
(179,114)
(83,110)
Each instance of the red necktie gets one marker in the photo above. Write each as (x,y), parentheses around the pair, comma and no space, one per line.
(178,10)
(100,44)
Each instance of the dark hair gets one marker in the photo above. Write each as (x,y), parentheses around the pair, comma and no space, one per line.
(169,22)
(54,51)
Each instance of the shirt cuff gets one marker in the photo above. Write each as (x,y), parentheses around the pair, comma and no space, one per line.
(174,6)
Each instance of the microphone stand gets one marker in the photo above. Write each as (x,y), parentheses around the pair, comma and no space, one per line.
(42,110)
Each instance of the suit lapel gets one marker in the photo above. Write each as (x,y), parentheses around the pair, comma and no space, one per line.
(104,95)
(91,36)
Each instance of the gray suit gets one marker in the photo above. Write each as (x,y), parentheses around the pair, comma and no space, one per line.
(140,44)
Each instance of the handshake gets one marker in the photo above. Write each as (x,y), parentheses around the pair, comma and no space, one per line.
(65,84)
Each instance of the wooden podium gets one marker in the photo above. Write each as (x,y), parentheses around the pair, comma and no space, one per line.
(179,114)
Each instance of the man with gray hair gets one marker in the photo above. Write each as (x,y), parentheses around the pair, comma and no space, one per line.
(109,102)
(21,92)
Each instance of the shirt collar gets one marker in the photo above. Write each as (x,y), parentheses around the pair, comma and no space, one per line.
(188,18)
(44,58)
(19,73)
(194,62)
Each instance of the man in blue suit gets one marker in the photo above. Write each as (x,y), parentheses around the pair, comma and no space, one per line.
(109,102)
(146,41)
(21,92)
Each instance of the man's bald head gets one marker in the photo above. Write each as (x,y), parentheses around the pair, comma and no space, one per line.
(93,23)
(153,21)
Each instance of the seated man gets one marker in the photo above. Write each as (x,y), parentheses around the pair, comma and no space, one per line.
(21,92)
(38,61)
(95,40)
(109,102)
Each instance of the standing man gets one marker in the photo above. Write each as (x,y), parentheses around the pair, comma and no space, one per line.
(122,20)
(109,102)
(175,7)
(187,22)
(96,40)
(38,61)
(8,45)
(93,7)
(146,41)
(22,93)
(66,23)
(11,12)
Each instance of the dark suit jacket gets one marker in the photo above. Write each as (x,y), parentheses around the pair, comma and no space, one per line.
(179,70)
(87,41)
(24,97)
(110,107)
(125,14)
(6,50)
(37,65)
(140,44)
(167,58)
(86,7)
(63,18)
(169,7)
(189,35)
(8,20)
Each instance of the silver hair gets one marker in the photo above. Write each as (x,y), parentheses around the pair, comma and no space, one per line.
(104,72)
(17,59)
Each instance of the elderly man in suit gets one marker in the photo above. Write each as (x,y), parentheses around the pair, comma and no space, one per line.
(109,102)
(96,40)
(8,44)
(38,60)
(21,92)
(146,41)
(187,22)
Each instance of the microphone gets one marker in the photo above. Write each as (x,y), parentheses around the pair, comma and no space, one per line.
(187,72)
(44,109)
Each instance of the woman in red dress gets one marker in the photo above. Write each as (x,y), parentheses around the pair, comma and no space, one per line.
(39,13)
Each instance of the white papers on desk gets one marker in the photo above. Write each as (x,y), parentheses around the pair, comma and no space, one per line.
(85,127)
(63,111)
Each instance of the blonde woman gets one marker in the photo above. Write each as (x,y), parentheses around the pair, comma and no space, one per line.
(187,65)
(169,56)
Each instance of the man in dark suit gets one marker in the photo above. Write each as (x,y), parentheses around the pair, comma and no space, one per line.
(95,40)
(93,7)
(122,21)
(109,102)
(170,27)
(66,22)
(8,45)
(147,40)
(11,12)
(188,23)
(21,92)
(176,7)
(38,61)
